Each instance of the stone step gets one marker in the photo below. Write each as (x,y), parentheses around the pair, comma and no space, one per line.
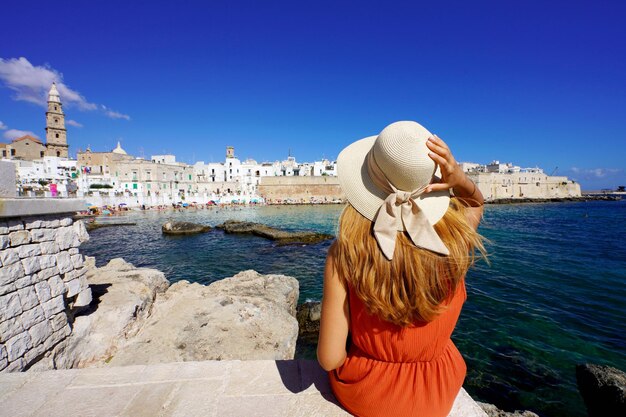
(210,388)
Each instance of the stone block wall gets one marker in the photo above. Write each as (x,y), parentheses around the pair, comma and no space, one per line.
(300,189)
(42,285)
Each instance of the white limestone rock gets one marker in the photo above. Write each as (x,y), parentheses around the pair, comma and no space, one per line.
(249,316)
(83,299)
(73,287)
(31,265)
(77,261)
(47,261)
(24,281)
(33,316)
(10,328)
(15,366)
(49,248)
(47,273)
(26,251)
(5,241)
(11,273)
(138,320)
(43,235)
(52,224)
(57,286)
(53,306)
(19,237)
(125,297)
(65,237)
(9,256)
(81,231)
(43,291)
(18,345)
(33,223)
(7,288)
(10,306)
(40,332)
(28,298)
(64,262)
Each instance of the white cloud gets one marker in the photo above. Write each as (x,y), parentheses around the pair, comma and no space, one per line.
(113,114)
(73,123)
(595,172)
(15,133)
(3,126)
(31,83)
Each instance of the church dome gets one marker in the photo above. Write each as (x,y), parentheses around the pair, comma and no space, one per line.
(118,149)
(53,95)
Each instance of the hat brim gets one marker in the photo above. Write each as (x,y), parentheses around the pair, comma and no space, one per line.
(366,198)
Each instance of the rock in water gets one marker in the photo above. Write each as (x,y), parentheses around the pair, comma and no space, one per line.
(603,388)
(309,320)
(183,228)
(280,236)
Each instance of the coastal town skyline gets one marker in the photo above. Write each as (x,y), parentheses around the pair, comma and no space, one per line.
(308,85)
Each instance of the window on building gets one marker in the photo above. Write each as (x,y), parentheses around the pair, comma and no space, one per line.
(190,176)
(135,186)
(12,152)
(125,185)
(4,153)
(56,135)
(41,154)
(55,108)
(148,186)
(58,153)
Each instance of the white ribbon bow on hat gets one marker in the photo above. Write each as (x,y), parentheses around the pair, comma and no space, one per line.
(400,204)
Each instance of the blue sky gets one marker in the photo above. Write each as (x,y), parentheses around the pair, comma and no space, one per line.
(533,83)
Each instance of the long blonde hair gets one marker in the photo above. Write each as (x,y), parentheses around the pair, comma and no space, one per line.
(412,286)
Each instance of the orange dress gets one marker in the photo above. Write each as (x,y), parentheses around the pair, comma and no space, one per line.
(395,371)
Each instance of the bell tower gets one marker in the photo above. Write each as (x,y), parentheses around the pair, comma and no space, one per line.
(56,134)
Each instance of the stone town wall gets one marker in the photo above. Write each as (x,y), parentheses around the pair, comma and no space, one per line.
(300,189)
(495,186)
(42,285)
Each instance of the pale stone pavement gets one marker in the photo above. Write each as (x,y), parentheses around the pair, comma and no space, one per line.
(211,388)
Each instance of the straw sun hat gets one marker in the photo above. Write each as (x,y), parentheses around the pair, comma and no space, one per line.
(387,174)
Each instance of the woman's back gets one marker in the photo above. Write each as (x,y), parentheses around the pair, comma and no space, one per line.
(395,278)
(401,371)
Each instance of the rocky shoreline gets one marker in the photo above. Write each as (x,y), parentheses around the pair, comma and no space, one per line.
(583,198)
(138,318)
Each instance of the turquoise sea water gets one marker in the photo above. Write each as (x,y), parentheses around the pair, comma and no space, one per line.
(554,294)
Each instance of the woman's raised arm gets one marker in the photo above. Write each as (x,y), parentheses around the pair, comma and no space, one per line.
(452,176)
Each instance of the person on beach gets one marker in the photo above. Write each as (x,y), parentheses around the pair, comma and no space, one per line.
(394,281)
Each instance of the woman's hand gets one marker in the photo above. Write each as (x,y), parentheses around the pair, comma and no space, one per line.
(452,176)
